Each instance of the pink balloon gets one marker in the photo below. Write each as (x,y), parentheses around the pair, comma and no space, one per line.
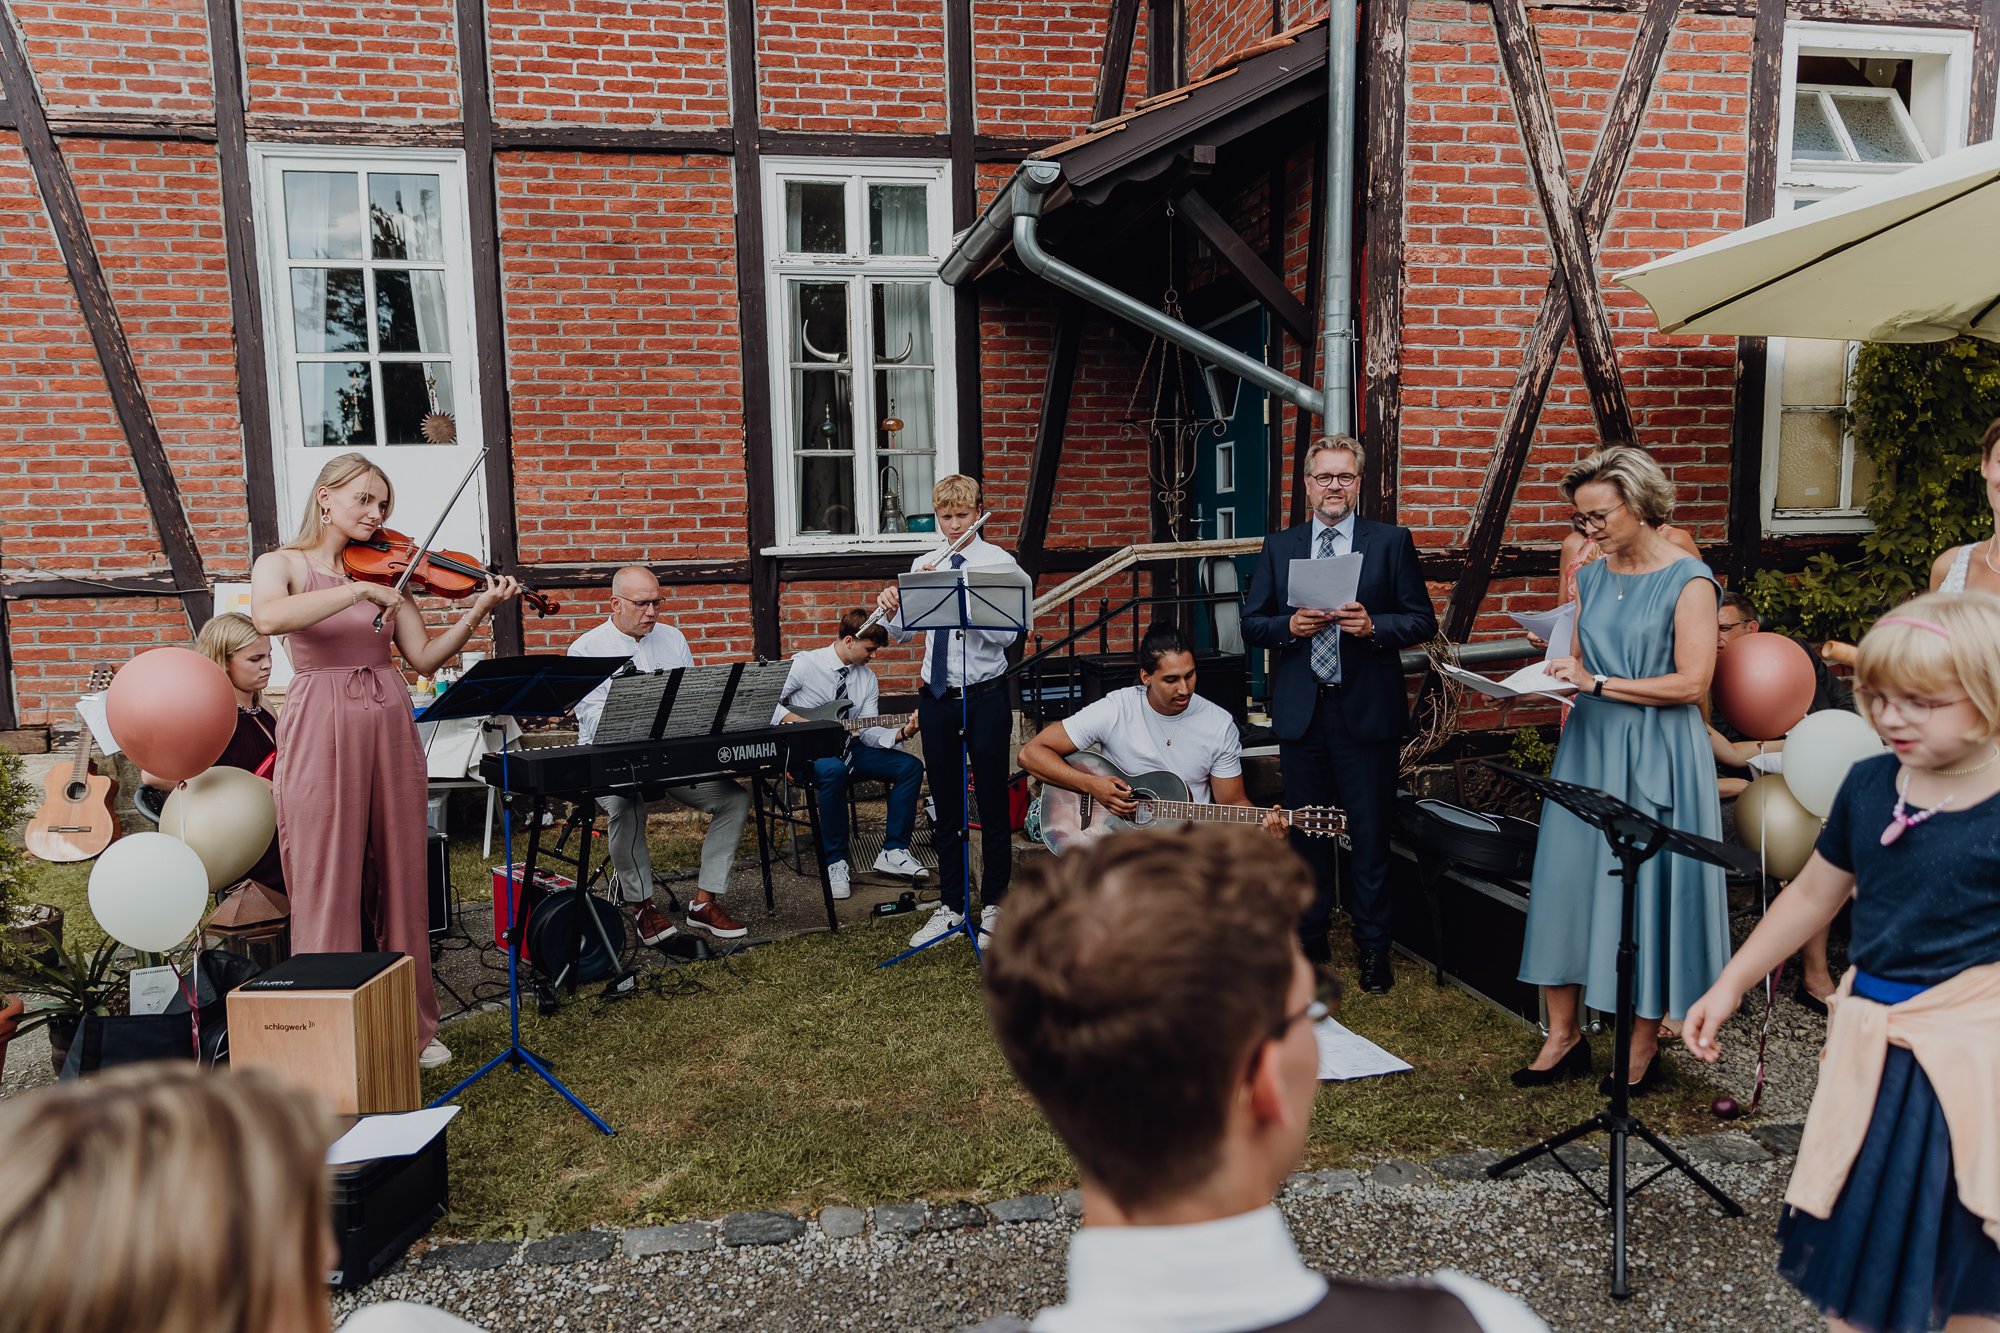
(1764,684)
(173,711)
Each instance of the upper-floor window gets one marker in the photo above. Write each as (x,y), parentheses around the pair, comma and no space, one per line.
(368,318)
(1859,101)
(860,346)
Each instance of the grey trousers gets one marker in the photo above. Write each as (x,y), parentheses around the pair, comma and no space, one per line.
(728,808)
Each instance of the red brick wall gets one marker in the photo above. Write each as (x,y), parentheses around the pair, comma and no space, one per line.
(586,61)
(715,618)
(878,68)
(1038,70)
(118,55)
(352,59)
(623,356)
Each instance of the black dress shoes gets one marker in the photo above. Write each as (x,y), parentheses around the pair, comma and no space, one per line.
(1575,1063)
(1807,1001)
(1646,1082)
(1376,978)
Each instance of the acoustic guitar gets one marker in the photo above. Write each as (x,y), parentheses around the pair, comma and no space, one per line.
(1071,819)
(841,711)
(76,819)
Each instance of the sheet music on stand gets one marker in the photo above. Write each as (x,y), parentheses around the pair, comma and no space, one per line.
(697,702)
(757,692)
(632,706)
(999,597)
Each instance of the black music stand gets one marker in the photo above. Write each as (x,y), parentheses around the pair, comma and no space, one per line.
(1635,838)
(524,687)
(940,602)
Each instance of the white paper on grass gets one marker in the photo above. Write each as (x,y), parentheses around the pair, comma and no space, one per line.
(1531,679)
(1556,627)
(1324,585)
(1345,1054)
(400,1135)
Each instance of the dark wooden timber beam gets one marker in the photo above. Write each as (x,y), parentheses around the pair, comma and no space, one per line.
(1554,321)
(1045,463)
(597,573)
(482,212)
(1573,248)
(9,715)
(1385,132)
(246,305)
(1248,266)
(154,583)
(1121,29)
(1760,201)
(962,127)
(1985,71)
(752,323)
(107,331)
(586,138)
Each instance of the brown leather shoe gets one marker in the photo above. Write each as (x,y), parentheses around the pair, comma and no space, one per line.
(711,918)
(652,924)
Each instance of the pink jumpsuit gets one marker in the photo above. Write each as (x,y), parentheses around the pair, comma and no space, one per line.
(351,788)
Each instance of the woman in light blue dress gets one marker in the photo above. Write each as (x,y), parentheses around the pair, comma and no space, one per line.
(1645,654)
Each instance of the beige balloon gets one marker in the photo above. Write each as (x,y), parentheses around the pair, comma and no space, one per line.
(228,816)
(1769,818)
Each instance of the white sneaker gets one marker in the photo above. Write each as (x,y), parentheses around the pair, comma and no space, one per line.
(836,876)
(943,921)
(901,864)
(989,917)
(435,1054)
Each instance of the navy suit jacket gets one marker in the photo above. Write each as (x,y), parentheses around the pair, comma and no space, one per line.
(1372,699)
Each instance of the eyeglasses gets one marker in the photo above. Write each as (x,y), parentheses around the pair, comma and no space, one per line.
(1327,481)
(1585,522)
(1326,994)
(1730,626)
(650,604)
(1912,710)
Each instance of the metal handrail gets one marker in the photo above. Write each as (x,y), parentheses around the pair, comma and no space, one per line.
(1140,553)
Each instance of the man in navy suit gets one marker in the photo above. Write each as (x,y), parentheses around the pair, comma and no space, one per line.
(1338,704)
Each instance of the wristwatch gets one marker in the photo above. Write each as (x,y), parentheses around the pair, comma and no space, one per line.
(1598,688)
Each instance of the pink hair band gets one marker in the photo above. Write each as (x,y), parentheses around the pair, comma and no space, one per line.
(1930,625)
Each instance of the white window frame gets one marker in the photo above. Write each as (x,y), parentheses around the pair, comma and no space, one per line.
(1939,114)
(1225,464)
(1225,517)
(274,267)
(782,266)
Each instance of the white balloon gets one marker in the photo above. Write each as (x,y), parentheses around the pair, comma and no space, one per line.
(1820,750)
(228,816)
(148,891)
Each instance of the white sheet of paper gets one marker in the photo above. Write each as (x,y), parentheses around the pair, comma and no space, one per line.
(1530,679)
(1324,585)
(91,707)
(1557,627)
(151,989)
(376,1136)
(1345,1054)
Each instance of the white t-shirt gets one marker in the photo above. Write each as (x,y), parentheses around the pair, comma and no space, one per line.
(1123,728)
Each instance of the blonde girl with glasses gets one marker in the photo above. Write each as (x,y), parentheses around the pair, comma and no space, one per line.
(1893,1224)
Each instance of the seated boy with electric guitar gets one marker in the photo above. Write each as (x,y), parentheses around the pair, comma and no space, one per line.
(1154,753)
(835,683)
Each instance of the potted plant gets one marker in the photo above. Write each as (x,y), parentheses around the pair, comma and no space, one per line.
(60,994)
(22,926)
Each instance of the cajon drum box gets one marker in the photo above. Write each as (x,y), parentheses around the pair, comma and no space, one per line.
(343,1025)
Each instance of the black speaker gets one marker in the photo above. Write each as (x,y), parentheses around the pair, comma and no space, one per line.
(437,864)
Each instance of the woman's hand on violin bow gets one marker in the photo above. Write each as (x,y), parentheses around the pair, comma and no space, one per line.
(381,594)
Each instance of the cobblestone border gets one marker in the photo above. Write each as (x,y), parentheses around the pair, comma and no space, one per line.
(841,1222)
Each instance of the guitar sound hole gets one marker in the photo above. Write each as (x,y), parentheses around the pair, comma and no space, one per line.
(1142,815)
(75,791)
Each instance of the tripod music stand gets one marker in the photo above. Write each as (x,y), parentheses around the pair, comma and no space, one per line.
(524,687)
(993,598)
(1635,838)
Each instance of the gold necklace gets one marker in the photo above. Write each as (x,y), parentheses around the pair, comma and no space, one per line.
(1979,767)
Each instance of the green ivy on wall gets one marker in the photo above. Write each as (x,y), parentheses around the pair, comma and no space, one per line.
(1918,411)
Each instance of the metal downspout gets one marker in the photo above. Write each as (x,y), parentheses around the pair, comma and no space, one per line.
(1029,190)
(1337,315)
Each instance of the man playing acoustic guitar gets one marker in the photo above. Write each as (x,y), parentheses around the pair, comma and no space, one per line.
(1158,724)
(821,680)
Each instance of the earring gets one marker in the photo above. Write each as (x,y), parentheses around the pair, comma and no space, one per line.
(325,514)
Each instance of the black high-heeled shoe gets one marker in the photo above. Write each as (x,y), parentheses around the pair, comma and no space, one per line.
(1646,1082)
(1575,1063)
(1808,1001)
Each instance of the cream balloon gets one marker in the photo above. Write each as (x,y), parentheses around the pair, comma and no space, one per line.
(148,891)
(1820,750)
(1770,820)
(228,816)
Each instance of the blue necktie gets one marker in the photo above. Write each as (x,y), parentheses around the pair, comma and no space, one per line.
(1326,644)
(939,678)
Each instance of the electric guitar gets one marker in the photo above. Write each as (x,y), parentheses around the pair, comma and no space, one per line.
(841,710)
(77,818)
(1071,819)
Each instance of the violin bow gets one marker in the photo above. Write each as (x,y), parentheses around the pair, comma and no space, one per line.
(424,546)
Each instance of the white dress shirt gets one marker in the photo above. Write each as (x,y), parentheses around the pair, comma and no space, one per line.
(1200,744)
(1343,535)
(662,650)
(814,681)
(985,650)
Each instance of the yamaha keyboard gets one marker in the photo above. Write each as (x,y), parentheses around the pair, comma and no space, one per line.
(560,770)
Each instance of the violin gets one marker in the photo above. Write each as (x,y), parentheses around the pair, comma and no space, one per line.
(454,575)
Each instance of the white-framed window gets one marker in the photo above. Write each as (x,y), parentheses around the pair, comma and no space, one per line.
(368,317)
(1859,101)
(1225,524)
(1225,467)
(860,339)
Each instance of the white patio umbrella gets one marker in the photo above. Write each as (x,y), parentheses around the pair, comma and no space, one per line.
(1910,258)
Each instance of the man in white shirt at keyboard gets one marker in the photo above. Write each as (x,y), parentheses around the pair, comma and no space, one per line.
(635,631)
(838,676)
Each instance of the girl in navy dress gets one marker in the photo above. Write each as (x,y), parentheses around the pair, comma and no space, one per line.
(1893,1217)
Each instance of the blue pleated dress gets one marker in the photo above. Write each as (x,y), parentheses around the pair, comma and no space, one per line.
(1657,760)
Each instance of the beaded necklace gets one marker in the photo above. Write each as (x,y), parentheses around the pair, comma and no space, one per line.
(1901,822)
